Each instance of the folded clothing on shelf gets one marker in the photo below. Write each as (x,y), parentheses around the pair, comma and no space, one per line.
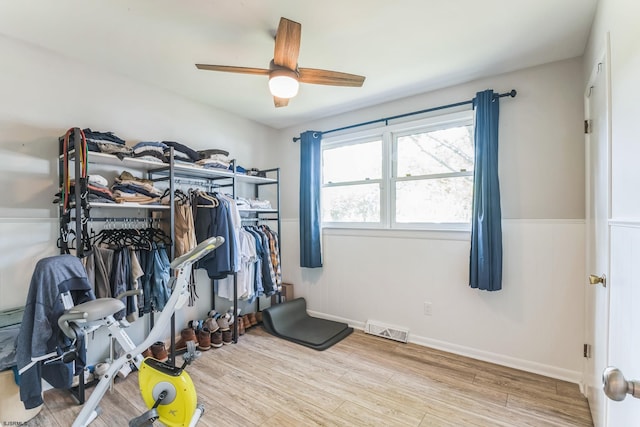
(243,203)
(102,136)
(259,204)
(181,151)
(150,150)
(256,172)
(215,161)
(128,188)
(97,192)
(99,180)
(105,142)
(205,154)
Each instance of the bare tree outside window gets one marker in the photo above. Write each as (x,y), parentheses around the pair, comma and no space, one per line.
(407,176)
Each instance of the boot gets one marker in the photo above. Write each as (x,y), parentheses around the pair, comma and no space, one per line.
(252,319)
(187,334)
(246,321)
(216,339)
(159,351)
(241,329)
(204,339)
(227,337)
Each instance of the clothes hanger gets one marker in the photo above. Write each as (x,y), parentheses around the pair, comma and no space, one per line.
(181,197)
(202,196)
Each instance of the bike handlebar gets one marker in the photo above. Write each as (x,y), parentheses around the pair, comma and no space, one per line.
(198,252)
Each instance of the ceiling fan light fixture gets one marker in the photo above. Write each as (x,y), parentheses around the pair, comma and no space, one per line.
(283,83)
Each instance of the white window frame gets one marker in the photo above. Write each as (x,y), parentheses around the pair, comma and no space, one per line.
(388,181)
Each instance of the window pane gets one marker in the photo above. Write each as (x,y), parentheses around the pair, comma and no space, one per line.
(445,200)
(351,203)
(356,162)
(434,152)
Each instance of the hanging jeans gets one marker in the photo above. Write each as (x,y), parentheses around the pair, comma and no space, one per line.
(161,275)
(156,266)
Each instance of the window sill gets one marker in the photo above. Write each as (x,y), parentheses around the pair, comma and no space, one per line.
(425,234)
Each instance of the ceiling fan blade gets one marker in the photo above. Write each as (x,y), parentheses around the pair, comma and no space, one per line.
(280,102)
(229,69)
(332,78)
(287,44)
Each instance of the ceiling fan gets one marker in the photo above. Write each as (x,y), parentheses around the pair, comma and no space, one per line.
(284,73)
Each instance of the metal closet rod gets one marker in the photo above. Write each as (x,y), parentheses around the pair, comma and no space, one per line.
(512,93)
(123,219)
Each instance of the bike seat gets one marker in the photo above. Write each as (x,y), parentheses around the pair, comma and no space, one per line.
(98,308)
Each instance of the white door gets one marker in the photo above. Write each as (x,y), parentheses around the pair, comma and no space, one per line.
(597,219)
(624,339)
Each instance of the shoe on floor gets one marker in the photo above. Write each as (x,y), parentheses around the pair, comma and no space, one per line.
(223,322)
(252,319)
(204,339)
(159,351)
(211,324)
(216,339)
(241,329)
(246,321)
(187,334)
(227,337)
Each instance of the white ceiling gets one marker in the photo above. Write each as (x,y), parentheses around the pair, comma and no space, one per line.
(402,47)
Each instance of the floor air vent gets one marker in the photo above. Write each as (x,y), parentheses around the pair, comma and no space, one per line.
(386,331)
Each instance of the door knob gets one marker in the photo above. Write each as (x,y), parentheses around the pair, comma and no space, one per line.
(616,387)
(594,280)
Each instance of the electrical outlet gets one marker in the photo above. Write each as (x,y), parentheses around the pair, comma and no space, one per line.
(427,308)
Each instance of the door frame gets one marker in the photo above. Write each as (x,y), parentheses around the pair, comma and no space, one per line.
(604,59)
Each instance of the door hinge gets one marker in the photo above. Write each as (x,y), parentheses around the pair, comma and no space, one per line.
(587,126)
(586,351)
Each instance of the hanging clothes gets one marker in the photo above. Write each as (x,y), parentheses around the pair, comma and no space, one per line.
(246,274)
(156,266)
(274,247)
(136,283)
(121,280)
(126,259)
(267,271)
(98,264)
(213,219)
(184,227)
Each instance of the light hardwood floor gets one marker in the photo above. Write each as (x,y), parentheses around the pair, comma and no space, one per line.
(363,380)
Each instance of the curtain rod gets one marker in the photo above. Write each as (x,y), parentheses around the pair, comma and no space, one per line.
(511,93)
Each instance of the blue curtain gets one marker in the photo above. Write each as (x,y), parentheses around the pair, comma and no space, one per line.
(310,175)
(485,267)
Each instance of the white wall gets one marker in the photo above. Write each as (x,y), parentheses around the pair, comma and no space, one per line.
(43,95)
(536,321)
(618,18)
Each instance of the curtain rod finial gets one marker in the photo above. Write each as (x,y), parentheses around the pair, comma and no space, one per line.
(513,93)
(296,139)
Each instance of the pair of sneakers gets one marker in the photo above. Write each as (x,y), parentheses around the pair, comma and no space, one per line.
(219,321)
(219,324)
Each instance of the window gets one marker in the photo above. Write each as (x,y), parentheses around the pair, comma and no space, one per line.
(413,175)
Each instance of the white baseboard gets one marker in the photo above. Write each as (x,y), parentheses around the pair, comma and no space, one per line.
(511,362)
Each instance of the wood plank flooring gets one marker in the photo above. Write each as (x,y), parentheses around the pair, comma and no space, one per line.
(361,381)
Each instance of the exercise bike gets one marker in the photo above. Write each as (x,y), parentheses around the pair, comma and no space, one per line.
(168,391)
